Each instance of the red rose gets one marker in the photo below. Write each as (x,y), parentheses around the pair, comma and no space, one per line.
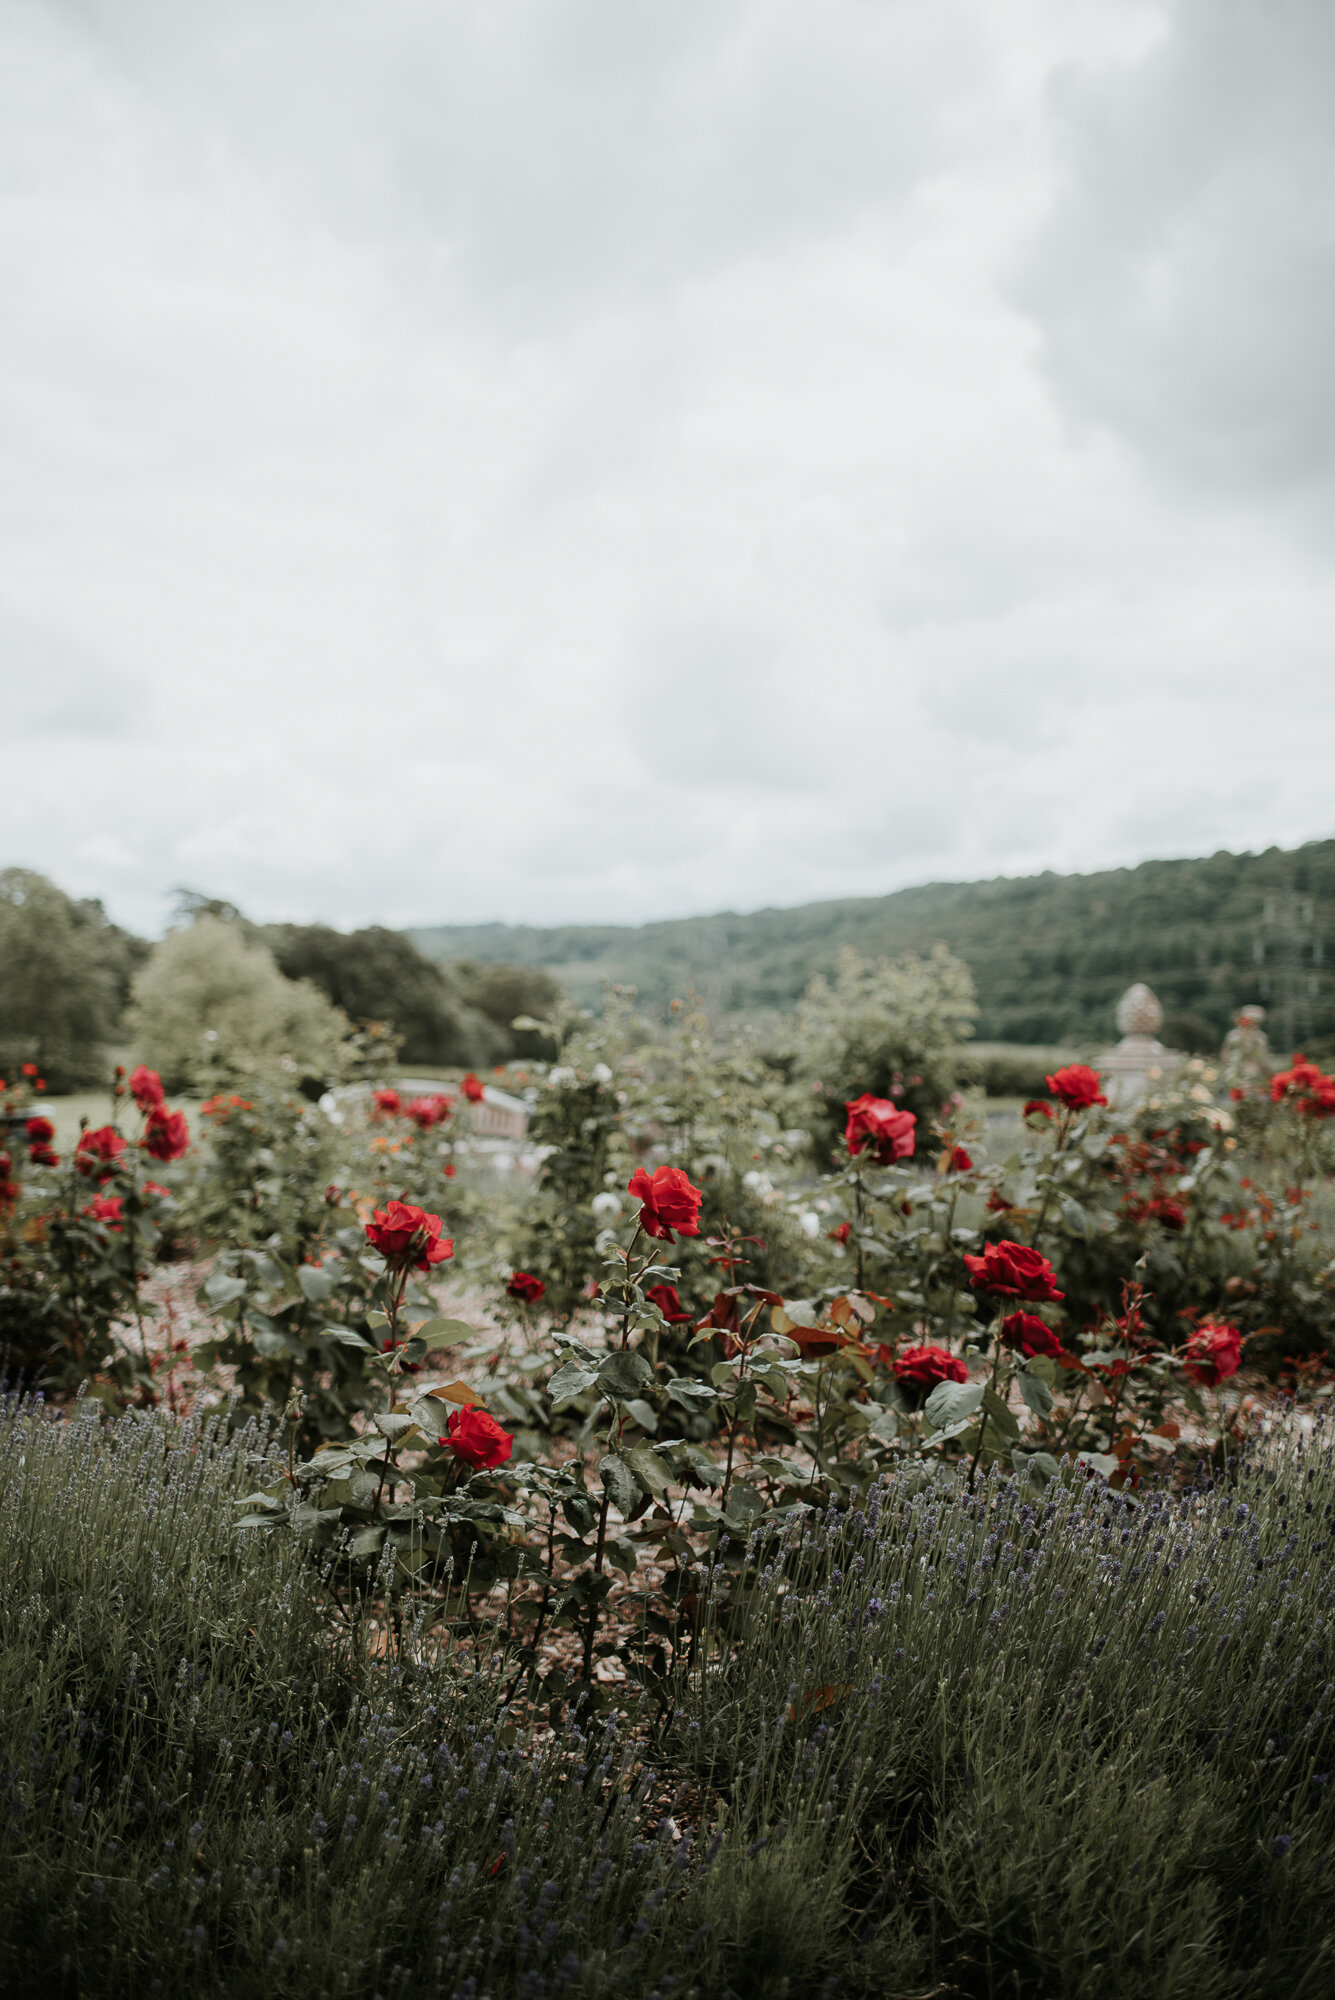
(477,1438)
(997,1203)
(166,1135)
(42,1155)
(960,1162)
(1171,1213)
(388,1103)
(155,1187)
(146,1089)
(407,1235)
(1036,1104)
(29,1069)
(1028,1332)
(876,1122)
(666,1299)
(449,1170)
(106,1208)
(96,1151)
(473,1088)
(1013,1271)
(669,1202)
(1213,1352)
(1306,1087)
(1076,1086)
(841,1233)
(428,1111)
(526,1287)
(40,1131)
(925,1367)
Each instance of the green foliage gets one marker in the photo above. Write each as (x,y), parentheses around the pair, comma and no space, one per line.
(207,992)
(1076,1746)
(380,975)
(888,1028)
(506,993)
(1050,954)
(64,974)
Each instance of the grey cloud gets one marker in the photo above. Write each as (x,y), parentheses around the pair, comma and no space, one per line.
(1185,280)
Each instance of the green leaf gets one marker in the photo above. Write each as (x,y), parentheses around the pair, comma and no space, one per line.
(571,1380)
(1039,1466)
(884,1425)
(1035,1392)
(649,1469)
(952,1403)
(690,1394)
(367,1541)
(393,1425)
(1002,1415)
(346,1337)
(743,1505)
(624,1374)
(644,1414)
(221,1290)
(316,1284)
(444,1332)
(1043,1366)
(1074,1217)
(771,1377)
(722,1372)
(616,1477)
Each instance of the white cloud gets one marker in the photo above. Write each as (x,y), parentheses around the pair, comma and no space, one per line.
(560,462)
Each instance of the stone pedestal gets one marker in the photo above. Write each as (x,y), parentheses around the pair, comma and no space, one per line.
(1140,1059)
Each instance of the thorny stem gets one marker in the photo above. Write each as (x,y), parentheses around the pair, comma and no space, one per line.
(1065,1119)
(982,1427)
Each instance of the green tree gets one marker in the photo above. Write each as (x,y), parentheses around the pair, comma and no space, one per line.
(64,972)
(208,993)
(504,993)
(380,975)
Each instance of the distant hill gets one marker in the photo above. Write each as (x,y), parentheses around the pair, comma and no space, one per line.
(1050,953)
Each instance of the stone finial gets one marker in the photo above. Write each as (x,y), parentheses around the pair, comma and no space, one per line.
(1139,1012)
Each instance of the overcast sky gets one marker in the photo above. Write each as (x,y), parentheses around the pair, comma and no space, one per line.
(576,460)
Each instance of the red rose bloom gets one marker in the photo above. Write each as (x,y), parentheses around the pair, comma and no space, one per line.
(876,1122)
(1213,1352)
(166,1135)
(97,1151)
(525,1286)
(669,1202)
(841,1233)
(477,1438)
(960,1161)
(146,1089)
(473,1088)
(428,1111)
(1076,1086)
(925,1367)
(407,1235)
(1036,1104)
(1171,1213)
(1308,1089)
(1013,1271)
(156,1187)
(666,1299)
(106,1208)
(40,1131)
(388,1103)
(43,1156)
(1029,1333)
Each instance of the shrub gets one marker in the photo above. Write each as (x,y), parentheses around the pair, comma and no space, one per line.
(206,989)
(1078,1745)
(889,1028)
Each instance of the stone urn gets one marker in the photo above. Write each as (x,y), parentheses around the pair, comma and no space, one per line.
(1140,1058)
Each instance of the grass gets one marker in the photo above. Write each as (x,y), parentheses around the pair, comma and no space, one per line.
(1068,1746)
